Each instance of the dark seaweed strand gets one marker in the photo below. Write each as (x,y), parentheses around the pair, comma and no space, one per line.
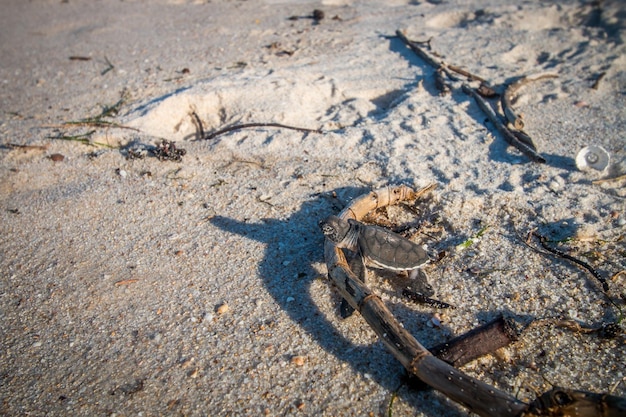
(564,255)
(422,299)
(248,125)
(198,124)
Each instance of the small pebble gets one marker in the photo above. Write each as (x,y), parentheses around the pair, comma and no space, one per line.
(474,270)
(187,362)
(57,157)
(503,354)
(435,321)
(554,186)
(298,360)
(222,309)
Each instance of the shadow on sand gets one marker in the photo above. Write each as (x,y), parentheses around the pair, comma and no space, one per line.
(292,246)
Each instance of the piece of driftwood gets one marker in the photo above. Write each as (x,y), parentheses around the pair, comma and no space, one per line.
(514,135)
(508,136)
(477,396)
(477,342)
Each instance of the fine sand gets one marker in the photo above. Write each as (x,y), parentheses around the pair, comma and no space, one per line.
(142,287)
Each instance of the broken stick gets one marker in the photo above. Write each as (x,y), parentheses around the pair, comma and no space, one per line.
(507,98)
(508,136)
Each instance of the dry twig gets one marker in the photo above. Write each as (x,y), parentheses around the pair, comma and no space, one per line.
(508,136)
(514,137)
(507,98)
(249,125)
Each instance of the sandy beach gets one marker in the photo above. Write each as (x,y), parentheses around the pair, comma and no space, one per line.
(142,280)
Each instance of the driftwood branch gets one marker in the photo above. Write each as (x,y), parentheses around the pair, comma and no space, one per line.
(507,98)
(497,122)
(514,135)
(477,342)
(477,396)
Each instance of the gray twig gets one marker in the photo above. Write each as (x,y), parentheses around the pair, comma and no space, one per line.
(507,98)
(514,137)
(508,136)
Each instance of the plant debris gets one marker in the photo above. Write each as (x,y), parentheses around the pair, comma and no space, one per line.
(444,74)
(167,151)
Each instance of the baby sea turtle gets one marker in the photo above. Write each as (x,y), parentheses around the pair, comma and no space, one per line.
(379,246)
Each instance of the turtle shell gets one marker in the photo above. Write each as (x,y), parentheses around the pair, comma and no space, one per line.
(389,250)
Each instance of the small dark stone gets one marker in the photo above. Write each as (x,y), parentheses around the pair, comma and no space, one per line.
(57,157)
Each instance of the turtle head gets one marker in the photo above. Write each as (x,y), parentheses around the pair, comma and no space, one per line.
(335,228)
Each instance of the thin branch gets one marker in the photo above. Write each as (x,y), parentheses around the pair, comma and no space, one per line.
(524,138)
(507,98)
(249,125)
(467,74)
(508,136)
(419,51)
(561,254)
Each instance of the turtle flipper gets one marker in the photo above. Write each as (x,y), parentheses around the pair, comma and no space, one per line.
(419,283)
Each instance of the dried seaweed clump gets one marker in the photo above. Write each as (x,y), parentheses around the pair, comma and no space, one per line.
(167,151)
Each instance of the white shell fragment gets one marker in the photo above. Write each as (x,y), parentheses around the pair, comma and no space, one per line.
(592,157)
